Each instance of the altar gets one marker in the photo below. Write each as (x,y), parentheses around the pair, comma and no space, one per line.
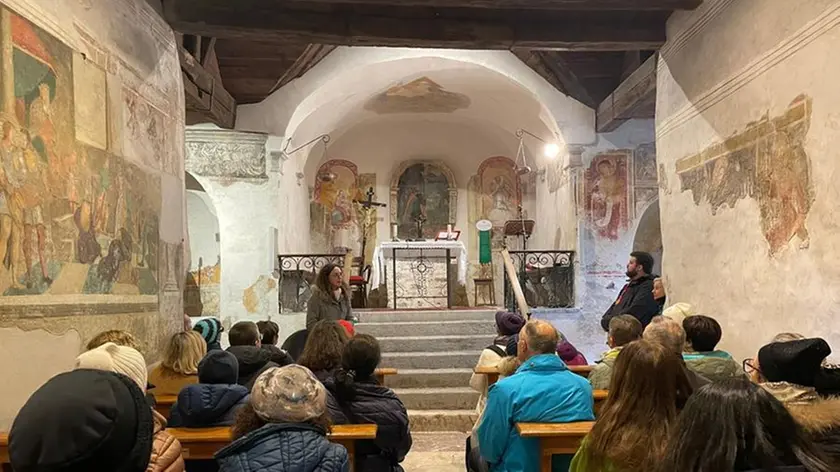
(415,274)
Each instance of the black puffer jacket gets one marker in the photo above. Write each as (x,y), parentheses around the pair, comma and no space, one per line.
(374,403)
(207,405)
(278,356)
(252,362)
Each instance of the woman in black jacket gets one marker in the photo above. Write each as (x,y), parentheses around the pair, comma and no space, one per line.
(356,397)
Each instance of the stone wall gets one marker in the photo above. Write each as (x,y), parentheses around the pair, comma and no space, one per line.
(746,119)
(92,220)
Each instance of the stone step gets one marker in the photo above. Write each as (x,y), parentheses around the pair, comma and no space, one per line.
(428,328)
(430,360)
(464,342)
(442,420)
(426,315)
(429,378)
(448,398)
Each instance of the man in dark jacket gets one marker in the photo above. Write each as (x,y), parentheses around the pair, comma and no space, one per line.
(215,399)
(636,298)
(244,338)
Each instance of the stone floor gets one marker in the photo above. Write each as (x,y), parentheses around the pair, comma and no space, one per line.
(436,452)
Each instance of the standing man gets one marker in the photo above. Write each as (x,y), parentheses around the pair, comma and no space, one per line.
(636,298)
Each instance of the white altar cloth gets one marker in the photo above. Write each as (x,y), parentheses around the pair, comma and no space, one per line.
(384,252)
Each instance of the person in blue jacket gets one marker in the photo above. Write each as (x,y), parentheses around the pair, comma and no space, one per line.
(543,390)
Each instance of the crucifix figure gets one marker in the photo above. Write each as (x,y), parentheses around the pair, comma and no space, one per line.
(367,208)
(419,220)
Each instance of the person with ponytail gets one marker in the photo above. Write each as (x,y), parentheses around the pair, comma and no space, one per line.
(355,396)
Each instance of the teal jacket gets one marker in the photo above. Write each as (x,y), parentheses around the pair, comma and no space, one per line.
(542,390)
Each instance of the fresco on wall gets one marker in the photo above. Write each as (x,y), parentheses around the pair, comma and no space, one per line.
(74,219)
(605,194)
(423,95)
(422,192)
(768,162)
(333,216)
(499,194)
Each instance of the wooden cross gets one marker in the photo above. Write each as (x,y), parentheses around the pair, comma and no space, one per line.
(367,209)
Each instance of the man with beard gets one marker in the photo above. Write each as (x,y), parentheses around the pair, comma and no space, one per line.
(636,298)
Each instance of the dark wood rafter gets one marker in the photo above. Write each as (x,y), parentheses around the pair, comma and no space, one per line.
(669,5)
(557,73)
(419,27)
(634,98)
(205,95)
(311,56)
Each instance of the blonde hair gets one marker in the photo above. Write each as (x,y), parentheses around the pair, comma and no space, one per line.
(183,353)
(116,336)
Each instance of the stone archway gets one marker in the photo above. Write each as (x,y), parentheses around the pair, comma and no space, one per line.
(649,235)
(203,278)
(426,187)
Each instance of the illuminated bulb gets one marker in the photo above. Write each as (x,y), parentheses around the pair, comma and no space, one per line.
(551,150)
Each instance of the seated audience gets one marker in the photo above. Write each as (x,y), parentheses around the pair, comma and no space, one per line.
(678,312)
(659,293)
(624,329)
(179,366)
(702,336)
(116,336)
(244,338)
(670,334)
(215,399)
(105,425)
(109,357)
(283,428)
(269,335)
(323,349)
(542,390)
(792,372)
(508,325)
(734,425)
(647,392)
(570,354)
(211,330)
(356,397)
(330,299)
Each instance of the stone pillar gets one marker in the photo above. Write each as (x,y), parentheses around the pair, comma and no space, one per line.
(7,74)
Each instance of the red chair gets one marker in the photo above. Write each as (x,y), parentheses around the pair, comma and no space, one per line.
(358,285)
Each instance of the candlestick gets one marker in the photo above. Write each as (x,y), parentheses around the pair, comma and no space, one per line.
(394,232)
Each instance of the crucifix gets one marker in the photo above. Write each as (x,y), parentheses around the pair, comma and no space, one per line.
(367,208)
(419,220)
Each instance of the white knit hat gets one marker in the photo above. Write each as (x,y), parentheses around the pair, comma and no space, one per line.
(120,359)
(679,312)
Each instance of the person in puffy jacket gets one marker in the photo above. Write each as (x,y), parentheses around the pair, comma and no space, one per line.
(283,427)
(215,399)
(702,337)
(354,396)
(244,338)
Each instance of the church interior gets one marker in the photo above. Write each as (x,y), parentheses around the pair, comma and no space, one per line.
(454,157)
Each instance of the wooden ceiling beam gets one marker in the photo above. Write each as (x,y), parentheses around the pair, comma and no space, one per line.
(633,98)
(205,96)
(579,31)
(557,73)
(668,5)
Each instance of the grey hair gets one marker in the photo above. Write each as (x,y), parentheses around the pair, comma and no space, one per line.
(543,343)
(667,333)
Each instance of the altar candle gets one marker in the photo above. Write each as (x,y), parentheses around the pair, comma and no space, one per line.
(394,231)
(449,229)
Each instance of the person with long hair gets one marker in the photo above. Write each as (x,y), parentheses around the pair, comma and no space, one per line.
(323,350)
(355,396)
(735,425)
(283,426)
(648,388)
(330,299)
(179,366)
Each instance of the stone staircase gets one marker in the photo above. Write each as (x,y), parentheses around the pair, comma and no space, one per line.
(435,352)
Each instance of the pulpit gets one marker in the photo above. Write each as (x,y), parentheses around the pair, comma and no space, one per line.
(417,274)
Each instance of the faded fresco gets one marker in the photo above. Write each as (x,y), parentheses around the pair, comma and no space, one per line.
(74,218)
(422,195)
(606,194)
(767,161)
(423,95)
(499,195)
(333,215)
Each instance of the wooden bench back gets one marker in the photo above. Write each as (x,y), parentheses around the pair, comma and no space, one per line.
(555,438)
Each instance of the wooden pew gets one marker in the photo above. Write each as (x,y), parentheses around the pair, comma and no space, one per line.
(4,452)
(383,372)
(493,374)
(555,438)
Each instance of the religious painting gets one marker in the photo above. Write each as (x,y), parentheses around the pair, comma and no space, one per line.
(419,96)
(644,165)
(145,130)
(500,194)
(767,161)
(606,194)
(423,199)
(74,219)
(332,212)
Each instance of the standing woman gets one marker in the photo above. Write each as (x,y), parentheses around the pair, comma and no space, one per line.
(330,298)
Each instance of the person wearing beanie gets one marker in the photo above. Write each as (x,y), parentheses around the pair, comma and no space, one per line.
(283,427)
(211,330)
(166,450)
(215,399)
(636,297)
(678,312)
(508,325)
(570,354)
(793,372)
(106,426)
(349,327)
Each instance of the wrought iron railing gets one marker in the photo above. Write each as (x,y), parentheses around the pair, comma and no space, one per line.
(297,274)
(547,279)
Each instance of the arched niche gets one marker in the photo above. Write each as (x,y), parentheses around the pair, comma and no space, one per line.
(649,235)
(203,279)
(427,187)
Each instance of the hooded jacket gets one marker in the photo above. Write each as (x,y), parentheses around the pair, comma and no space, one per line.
(252,362)
(714,365)
(207,405)
(374,403)
(636,298)
(166,450)
(283,447)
